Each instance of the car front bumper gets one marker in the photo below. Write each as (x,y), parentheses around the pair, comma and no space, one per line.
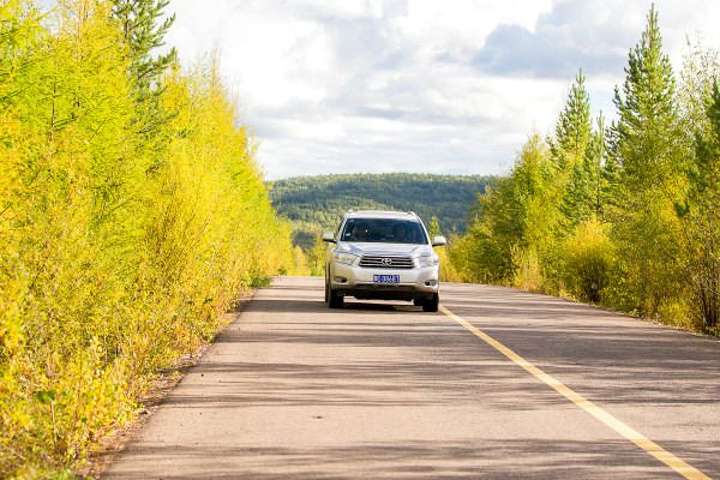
(351,280)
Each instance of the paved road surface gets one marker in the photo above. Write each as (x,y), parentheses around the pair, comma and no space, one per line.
(380,390)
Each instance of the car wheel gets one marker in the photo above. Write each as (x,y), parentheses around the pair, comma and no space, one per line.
(418,302)
(431,304)
(335,300)
(327,290)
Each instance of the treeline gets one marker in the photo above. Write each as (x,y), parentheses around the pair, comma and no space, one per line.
(322,200)
(625,215)
(316,204)
(132,214)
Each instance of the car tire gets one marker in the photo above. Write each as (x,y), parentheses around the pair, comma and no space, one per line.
(418,302)
(431,304)
(334,300)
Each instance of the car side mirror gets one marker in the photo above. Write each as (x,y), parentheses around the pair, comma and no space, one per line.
(329,237)
(438,241)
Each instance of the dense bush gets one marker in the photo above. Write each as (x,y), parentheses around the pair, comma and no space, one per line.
(132,215)
(589,260)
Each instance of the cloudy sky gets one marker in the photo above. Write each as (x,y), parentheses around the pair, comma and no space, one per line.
(338,86)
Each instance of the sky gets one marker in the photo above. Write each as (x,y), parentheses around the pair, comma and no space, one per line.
(454,87)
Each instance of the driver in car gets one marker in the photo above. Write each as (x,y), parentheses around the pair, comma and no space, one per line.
(361,232)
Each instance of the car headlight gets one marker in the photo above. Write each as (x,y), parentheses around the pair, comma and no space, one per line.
(428,261)
(345,258)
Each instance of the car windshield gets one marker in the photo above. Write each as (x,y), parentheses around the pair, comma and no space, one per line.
(383,230)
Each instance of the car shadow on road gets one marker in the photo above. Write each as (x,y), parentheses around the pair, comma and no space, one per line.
(319,306)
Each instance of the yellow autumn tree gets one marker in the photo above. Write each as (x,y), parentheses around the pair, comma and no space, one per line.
(119,250)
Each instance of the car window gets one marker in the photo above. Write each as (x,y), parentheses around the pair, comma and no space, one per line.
(383,230)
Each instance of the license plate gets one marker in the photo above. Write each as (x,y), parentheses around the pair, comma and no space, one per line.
(386,278)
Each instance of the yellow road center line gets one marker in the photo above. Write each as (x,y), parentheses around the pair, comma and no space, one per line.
(680,466)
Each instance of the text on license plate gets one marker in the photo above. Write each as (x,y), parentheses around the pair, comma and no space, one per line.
(386,278)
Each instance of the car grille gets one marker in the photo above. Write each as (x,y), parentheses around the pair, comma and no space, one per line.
(384,261)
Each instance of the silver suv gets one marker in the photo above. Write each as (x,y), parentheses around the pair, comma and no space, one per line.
(382,255)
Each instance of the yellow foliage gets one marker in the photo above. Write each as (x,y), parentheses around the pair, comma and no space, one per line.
(118,252)
(528,275)
(590,256)
(300,263)
(448,272)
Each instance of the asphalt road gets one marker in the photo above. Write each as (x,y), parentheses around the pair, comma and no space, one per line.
(380,390)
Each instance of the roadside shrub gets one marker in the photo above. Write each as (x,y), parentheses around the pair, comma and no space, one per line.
(448,272)
(589,259)
(528,274)
(678,312)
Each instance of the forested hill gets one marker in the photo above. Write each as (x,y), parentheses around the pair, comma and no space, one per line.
(322,200)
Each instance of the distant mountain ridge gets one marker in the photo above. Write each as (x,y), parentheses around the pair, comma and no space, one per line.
(318,202)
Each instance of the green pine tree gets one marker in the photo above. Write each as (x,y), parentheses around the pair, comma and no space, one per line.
(648,156)
(574,127)
(584,194)
(578,152)
(144,26)
(644,136)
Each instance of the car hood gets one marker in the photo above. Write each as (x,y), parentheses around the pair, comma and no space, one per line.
(377,248)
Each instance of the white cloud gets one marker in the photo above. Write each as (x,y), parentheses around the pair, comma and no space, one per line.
(416,85)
